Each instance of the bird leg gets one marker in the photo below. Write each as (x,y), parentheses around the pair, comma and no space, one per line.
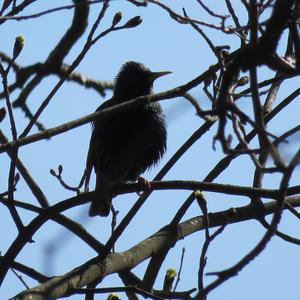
(144,184)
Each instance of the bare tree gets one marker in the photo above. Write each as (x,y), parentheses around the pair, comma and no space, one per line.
(268,39)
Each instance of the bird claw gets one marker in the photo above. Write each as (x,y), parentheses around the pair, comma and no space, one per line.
(144,184)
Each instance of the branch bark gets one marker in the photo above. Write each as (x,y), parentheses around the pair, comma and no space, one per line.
(96,269)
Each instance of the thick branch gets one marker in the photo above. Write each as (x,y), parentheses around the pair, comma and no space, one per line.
(96,269)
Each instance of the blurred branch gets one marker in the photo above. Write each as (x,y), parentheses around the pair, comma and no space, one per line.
(28,271)
(98,85)
(24,73)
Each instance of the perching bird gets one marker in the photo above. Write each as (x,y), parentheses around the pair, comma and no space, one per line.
(125,144)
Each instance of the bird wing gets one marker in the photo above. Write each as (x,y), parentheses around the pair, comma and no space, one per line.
(89,163)
(92,152)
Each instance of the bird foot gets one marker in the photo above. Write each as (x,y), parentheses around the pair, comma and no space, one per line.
(144,184)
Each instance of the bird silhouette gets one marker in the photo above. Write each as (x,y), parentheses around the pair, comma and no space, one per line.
(125,144)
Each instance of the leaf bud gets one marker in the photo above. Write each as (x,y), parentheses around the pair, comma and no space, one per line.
(136,21)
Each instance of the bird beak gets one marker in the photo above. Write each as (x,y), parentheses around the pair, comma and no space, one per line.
(155,75)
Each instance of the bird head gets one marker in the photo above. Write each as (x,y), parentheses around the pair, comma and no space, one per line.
(134,80)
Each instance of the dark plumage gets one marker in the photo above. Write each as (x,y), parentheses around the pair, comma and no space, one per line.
(126,144)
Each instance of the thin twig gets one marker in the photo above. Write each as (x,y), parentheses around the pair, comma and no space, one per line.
(49,11)
(14,154)
(180,269)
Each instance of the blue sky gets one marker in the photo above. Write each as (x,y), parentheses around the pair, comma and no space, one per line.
(161,44)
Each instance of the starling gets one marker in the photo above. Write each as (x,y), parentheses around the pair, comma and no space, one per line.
(125,144)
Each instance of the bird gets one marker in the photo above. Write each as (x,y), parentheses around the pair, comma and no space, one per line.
(125,144)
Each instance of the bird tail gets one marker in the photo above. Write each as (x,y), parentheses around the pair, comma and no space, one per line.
(100,205)
(101,201)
